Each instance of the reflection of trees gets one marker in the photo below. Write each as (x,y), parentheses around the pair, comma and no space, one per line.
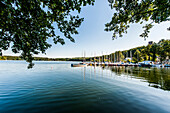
(156,77)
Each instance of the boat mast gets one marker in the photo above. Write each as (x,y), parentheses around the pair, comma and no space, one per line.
(91,57)
(99,59)
(102,56)
(114,57)
(127,54)
(94,57)
(106,57)
(131,55)
(84,56)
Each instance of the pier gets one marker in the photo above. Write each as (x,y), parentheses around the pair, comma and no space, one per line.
(112,64)
(126,64)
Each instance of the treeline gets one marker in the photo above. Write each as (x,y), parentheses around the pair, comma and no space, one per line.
(60,59)
(10,58)
(153,51)
(44,58)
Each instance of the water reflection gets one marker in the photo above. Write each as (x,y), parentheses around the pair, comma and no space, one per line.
(60,88)
(156,77)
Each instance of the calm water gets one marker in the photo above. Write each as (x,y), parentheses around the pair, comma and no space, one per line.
(56,87)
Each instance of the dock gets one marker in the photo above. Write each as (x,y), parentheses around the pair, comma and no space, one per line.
(112,64)
(126,64)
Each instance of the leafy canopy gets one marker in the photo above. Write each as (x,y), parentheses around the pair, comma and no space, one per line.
(164,49)
(137,11)
(27,24)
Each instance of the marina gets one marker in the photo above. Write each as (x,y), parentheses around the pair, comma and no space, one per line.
(141,64)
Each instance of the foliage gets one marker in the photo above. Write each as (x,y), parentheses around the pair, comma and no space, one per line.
(3,58)
(144,54)
(150,52)
(117,56)
(159,50)
(137,56)
(164,49)
(137,11)
(44,58)
(128,60)
(154,50)
(27,24)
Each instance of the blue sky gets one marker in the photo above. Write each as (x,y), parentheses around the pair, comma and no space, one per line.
(94,40)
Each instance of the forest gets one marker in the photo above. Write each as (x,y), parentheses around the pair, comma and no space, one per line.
(153,51)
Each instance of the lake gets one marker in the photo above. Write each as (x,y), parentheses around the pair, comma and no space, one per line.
(56,87)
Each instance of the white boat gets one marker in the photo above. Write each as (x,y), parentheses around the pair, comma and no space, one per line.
(145,64)
(83,64)
(79,65)
(157,65)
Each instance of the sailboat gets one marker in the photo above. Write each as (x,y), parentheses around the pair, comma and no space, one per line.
(79,65)
(83,64)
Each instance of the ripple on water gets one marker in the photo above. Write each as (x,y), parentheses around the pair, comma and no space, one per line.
(78,90)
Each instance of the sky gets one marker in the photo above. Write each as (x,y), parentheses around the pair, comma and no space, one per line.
(94,41)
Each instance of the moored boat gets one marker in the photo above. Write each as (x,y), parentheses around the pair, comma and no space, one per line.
(79,65)
(157,65)
(146,64)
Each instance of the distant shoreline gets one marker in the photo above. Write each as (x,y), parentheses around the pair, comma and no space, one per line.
(158,52)
(17,58)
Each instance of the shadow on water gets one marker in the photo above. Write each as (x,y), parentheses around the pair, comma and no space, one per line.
(156,77)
